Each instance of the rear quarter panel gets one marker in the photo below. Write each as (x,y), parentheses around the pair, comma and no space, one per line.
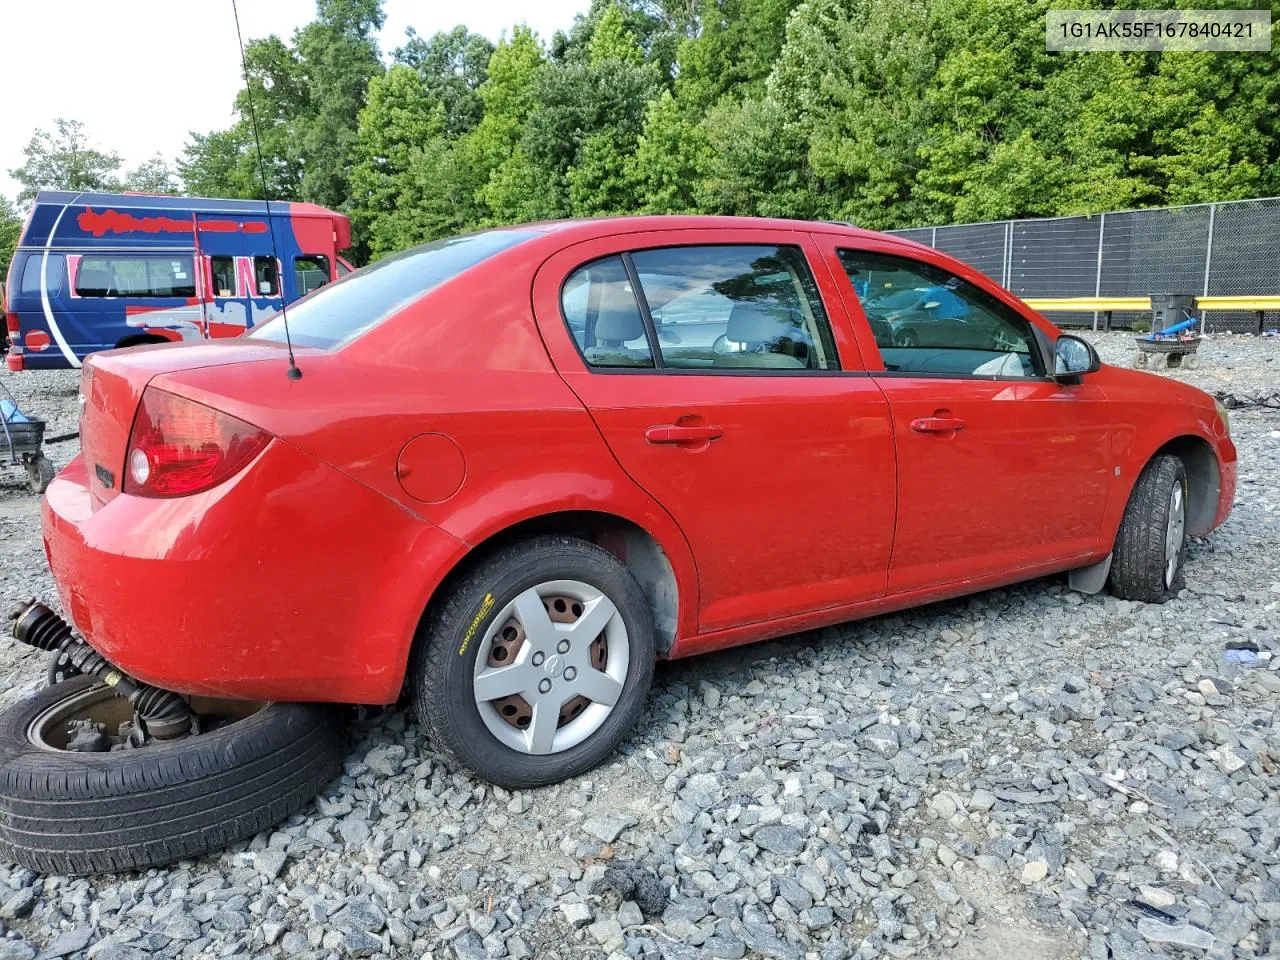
(465,363)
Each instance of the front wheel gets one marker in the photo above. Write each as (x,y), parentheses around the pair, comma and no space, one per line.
(535,665)
(1151,545)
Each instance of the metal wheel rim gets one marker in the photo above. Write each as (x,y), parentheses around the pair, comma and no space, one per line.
(1173,534)
(559,674)
(99,702)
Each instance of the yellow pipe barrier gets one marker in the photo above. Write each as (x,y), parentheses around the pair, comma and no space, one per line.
(1238,303)
(1087,304)
(1119,304)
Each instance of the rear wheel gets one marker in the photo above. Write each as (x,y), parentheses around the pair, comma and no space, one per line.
(1151,545)
(75,798)
(536,664)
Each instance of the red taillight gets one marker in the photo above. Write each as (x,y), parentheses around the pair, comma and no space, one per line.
(11,321)
(178,446)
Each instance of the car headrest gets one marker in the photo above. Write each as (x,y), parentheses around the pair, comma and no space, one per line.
(753,322)
(618,318)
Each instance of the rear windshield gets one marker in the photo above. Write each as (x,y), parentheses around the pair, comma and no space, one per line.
(338,313)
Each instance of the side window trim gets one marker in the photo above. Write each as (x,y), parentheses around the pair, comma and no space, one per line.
(826,346)
(646,316)
(108,267)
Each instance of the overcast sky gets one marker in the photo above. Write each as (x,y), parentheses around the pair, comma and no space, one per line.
(140,74)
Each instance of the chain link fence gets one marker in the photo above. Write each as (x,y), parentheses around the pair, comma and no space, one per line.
(1212,249)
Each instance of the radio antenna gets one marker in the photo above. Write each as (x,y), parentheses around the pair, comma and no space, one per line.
(294,373)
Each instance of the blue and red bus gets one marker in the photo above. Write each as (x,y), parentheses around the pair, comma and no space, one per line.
(94,271)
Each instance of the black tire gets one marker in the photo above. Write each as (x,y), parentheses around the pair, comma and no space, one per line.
(78,813)
(1138,561)
(40,473)
(444,658)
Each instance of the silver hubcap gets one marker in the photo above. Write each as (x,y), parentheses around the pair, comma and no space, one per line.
(551,667)
(1173,534)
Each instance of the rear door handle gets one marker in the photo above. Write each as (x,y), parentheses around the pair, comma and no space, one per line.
(672,433)
(936,424)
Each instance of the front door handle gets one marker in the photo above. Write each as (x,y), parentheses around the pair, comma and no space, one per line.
(674,433)
(937,424)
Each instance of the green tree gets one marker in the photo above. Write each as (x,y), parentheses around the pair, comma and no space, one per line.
(757,163)
(1207,133)
(507,188)
(732,52)
(452,65)
(437,196)
(1098,103)
(584,129)
(852,78)
(64,160)
(153,175)
(10,227)
(611,40)
(672,153)
(339,56)
(657,26)
(985,154)
(221,163)
(224,163)
(277,94)
(398,118)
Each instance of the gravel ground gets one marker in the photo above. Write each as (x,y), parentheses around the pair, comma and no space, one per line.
(1027,773)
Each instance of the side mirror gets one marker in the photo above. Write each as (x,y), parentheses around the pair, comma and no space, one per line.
(1073,358)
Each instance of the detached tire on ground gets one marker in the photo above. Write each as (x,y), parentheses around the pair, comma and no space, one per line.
(536,663)
(1146,561)
(75,813)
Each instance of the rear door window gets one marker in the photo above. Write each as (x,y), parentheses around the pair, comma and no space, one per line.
(135,276)
(743,307)
(344,310)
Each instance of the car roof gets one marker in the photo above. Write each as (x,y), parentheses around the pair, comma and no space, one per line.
(157,201)
(610,226)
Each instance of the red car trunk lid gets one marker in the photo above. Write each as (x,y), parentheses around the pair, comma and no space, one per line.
(111,386)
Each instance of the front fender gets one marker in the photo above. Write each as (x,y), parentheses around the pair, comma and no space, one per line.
(1154,414)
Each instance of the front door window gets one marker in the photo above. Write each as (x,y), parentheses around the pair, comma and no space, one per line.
(928,321)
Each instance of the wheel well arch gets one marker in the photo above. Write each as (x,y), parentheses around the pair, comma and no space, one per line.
(1204,479)
(633,545)
(139,339)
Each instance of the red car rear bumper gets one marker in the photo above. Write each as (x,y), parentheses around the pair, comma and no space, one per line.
(290,581)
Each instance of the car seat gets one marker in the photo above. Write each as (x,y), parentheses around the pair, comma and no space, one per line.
(761,329)
(617,322)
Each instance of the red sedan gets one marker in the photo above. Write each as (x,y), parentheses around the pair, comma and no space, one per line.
(521,465)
